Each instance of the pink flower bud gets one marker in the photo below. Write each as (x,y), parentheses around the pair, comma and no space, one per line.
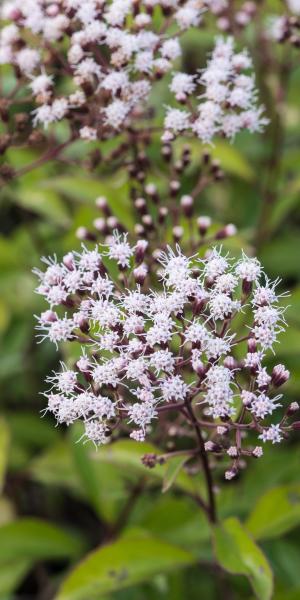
(280,375)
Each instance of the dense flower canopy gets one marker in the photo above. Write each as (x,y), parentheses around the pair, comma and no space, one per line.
(111,54)
(199,338)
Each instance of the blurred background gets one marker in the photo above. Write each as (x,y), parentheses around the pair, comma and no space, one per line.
(60,500)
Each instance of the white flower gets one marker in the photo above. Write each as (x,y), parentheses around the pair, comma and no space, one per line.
(119,249)
(27,60)
(272,434)
(116,113)
(182,83)
(162,360)
(142,414)
(177,120)
(88,133)
(174,388)
(221,306)
(171,49)
(248,269)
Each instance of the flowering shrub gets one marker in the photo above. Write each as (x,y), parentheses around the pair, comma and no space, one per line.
(173,349)
(158,139)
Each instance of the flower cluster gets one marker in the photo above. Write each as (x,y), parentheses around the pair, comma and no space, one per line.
(187,337)
(228,97)
(285,28)
(229,20)
(109,51)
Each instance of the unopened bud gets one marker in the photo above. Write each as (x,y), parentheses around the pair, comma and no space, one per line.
(141,206)
(162,214)
(174,187)
(148,221)
(293,408)
(83,325)
(252,346)
(113,223)
(82,233)
(203,223)
(151,191)
(227,231)
(187,205)
(230,363)
(166,152)
(101,226)
(102,204)
(247,287)
(140,273)
(139,230)
(140,250)
(177,233)
(149,460)
(280,375)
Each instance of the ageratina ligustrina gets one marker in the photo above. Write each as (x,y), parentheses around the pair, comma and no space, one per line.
(93,65)
(175,349)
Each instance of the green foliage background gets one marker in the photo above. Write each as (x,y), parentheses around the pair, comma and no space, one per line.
(60,501)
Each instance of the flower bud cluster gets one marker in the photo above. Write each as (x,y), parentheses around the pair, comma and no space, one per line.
(164,210)
(227,94)
(168,342)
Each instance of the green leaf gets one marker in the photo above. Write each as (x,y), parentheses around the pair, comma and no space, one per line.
(55,467)
(7,512)
(83,189)
(43,202)
(127,454)
(175,519)
(4,445)
(276,512)
(11,575)
(237,553)
(35,539)
(173,468)
(132,559)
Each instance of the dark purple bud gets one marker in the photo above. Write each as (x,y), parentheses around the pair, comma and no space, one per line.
(140,250)
(141,206)
(227,231)
(84,234)
(162,214)
(203,223)
(187,205)
(140,274)
(292,408)
(230,363)
(102,204)
(174,187)
(280,375)
(83,325)
(247,287)
(177,233)
(252,346)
